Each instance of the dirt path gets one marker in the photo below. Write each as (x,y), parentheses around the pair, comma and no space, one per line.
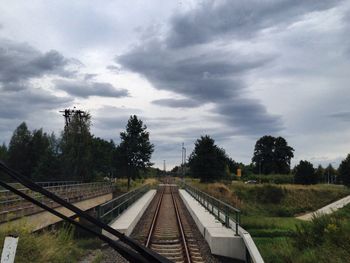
(328,209)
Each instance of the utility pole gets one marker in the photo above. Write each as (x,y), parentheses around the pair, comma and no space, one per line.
(183,162)
(164,167)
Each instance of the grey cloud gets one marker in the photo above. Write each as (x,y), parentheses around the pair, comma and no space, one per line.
(215,20)
(248,116)
(86,89)
(19,105)
(20,62)
(206,76)
(343,116)
(114,69)
(90,76)
(177,103)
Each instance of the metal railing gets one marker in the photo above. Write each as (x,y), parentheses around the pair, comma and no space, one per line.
(228,215)
(13,206)
(112,209)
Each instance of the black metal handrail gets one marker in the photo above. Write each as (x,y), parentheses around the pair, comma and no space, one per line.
(224,212)
(112,209)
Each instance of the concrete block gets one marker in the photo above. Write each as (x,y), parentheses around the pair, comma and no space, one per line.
(126,222)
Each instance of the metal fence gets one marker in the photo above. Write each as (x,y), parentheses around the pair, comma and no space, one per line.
(228,215)
(12,206)
(112,209)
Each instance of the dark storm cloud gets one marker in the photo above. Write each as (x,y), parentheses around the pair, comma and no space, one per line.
(86,89)
(210,73)
(206,77)
(177,103)
(248,116)
(20,62)
(19,105)
(213,20)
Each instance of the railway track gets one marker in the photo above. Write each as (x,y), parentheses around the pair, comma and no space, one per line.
(170,233)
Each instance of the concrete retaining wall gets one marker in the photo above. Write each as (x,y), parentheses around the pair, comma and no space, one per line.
(126,222)
(221,240)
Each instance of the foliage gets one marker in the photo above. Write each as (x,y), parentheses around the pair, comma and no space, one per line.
(320,174)
(207,161)
(305,173)
(76,148)
(19,150)
(271,178)
(272,155)
(277,236)
(344,171)
(102,153)
(135,149)
(56,247)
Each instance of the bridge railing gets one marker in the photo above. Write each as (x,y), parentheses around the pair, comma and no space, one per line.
(228,215)
(12,206)
(112,209)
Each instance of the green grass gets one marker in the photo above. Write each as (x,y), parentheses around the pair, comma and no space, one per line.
(56,246)
(268,212)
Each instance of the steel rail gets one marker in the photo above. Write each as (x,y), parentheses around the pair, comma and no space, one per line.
(146,252)
(179,223)
(154,220)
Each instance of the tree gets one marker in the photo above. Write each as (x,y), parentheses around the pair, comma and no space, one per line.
(102,155)
(305,173)
(344,171)
(320,173)
(3,158)
(76,148)
(272,155)
(3,152)
(330,173)
(207,161)
(135,149)
(19,150)
(48,167)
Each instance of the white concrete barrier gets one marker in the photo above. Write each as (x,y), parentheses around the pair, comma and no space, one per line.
(126,222)
(221,240)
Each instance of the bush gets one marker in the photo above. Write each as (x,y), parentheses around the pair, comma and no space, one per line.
(44,247)
(271,178)
(269,194)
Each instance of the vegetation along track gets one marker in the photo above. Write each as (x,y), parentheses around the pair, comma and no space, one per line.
(168,231)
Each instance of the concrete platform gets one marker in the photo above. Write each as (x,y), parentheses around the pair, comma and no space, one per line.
(221,240)
(126,222)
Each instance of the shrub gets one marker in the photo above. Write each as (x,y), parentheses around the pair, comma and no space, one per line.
(269,194)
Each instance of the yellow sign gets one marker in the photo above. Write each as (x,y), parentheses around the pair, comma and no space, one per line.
(239,172)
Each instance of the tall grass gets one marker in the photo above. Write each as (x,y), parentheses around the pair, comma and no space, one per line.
(268,212)
(56,247)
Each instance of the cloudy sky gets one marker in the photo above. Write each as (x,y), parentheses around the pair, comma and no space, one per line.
(236,70)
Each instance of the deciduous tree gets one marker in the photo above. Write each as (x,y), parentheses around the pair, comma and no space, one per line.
(272,155)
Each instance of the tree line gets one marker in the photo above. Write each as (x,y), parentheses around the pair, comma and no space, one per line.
(77,154)
(272,155)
